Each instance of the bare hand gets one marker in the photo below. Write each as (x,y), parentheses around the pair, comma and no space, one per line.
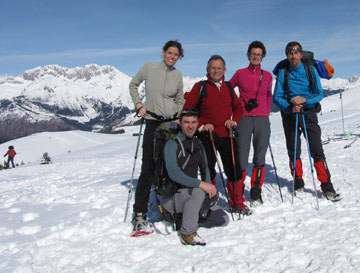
(208,127)
(298,100)
(142,112)
(297,108)
(208,188)
(230,124)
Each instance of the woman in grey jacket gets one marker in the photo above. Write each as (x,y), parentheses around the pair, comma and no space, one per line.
(164,98)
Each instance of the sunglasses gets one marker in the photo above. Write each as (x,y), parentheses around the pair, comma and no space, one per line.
(256,55)
(190,112)
(293,49)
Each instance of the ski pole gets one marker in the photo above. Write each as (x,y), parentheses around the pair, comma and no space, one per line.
(221,175)
(294,163)
(310,160)
(133,170)
(342,113)
(231,135)
(277,178)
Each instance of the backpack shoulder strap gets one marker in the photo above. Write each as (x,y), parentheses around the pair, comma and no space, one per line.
(231,91)
(286,81)
(308,63)
(180,144)
(183,151)
(202,94)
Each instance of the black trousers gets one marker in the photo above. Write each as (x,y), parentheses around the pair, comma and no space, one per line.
(146,179)
(223,146)
(313,132)
(10,159)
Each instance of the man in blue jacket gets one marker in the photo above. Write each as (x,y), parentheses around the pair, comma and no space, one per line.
(294,95)
(184,157)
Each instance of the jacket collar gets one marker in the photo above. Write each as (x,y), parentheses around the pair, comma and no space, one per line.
(212,82)
(254,69)
(298,68)
(166,67)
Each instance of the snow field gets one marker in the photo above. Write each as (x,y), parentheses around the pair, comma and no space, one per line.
(68,216)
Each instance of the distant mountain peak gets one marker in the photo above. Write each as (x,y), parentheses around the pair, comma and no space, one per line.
(77,73)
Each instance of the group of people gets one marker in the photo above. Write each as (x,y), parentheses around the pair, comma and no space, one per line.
(214,119)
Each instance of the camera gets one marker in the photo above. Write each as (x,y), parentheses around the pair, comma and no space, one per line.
(251,104)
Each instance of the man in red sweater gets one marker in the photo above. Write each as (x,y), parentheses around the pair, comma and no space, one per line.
(219,111)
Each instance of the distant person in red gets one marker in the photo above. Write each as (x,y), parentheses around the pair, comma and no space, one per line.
(11,154)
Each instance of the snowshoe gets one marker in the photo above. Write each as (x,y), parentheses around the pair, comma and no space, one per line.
(332,196)
(256,202)
(329,192)
(242,209)
(141,226)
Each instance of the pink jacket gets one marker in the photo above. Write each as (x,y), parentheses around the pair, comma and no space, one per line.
(247,80)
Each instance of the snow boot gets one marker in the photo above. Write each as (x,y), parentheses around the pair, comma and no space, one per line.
(141,225)
(192,239)
(234,201)
(257,180)
(238,205)
(299,182)
(324,177)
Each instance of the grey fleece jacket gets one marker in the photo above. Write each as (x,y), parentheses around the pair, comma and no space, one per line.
(163,89)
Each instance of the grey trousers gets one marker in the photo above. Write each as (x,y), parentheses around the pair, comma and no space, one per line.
(257,128)
(188,201)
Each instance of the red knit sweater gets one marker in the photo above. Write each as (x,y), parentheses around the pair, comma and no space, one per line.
(216,108)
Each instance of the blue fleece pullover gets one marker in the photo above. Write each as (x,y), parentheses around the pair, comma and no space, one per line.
(298,86)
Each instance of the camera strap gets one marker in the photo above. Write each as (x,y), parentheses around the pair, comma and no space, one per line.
(257,92)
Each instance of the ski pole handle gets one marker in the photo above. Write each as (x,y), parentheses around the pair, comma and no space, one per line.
(211,136)
(231,135)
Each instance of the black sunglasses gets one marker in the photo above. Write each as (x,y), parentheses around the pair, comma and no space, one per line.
(190,112)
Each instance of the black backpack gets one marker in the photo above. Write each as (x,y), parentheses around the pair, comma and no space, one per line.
(163,185)
(203,93)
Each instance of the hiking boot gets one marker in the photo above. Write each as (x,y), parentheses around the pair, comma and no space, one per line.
(327,187)
(242,209)
(192,239)
(299,184)
(255,194)
(255,202)
(141,225)
(329,192)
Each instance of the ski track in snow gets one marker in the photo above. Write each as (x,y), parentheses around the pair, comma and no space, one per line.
(68,216)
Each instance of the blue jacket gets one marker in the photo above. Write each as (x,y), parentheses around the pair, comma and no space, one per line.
(298,86)
(187,177)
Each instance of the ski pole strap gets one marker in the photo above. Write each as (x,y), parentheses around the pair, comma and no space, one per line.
(161,118)
(137,112)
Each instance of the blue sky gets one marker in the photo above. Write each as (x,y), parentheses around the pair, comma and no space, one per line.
(126,34)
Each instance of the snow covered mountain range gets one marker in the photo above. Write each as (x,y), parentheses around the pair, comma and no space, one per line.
(55,98)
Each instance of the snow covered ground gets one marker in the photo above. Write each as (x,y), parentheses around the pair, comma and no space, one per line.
(68,216)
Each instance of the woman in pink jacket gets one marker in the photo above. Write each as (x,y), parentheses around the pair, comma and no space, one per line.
(255,95)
